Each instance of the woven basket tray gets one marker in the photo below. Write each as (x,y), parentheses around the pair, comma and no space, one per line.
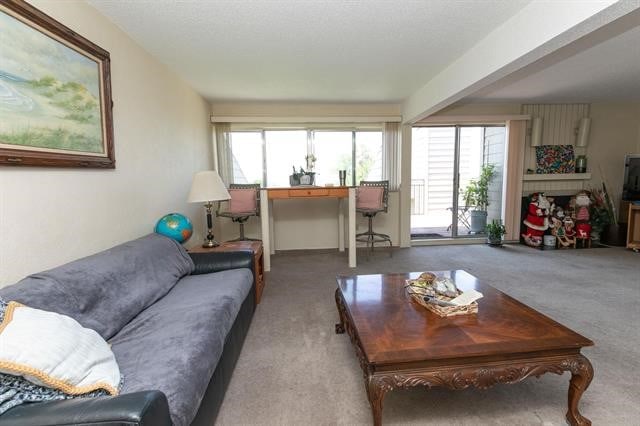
(417,293)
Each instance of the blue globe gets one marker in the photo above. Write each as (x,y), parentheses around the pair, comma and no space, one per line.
(176,226)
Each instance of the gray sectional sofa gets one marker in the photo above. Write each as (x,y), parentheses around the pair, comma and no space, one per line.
(176,322)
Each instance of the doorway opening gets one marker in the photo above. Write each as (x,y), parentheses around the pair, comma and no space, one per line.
(444,160)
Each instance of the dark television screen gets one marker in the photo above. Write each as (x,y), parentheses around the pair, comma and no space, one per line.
(631,187)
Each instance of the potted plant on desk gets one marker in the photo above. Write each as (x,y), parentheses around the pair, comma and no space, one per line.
(302,177)
(476,195)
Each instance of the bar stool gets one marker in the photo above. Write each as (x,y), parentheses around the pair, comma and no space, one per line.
(372,197)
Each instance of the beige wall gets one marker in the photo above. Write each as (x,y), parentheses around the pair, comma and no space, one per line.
(614,133)
(162,136)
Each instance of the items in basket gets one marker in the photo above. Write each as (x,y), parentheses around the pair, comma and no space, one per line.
(441,296)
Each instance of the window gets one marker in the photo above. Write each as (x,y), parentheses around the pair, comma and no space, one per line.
(269,156)
(285,150)
(333,151)
(247,157)
(369,156)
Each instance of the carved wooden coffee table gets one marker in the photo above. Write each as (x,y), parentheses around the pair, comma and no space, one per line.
(400,344)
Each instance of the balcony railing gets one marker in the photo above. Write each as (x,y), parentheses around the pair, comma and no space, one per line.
(417,196)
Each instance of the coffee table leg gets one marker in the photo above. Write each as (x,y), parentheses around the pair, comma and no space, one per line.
(340,306)
(581,376)
(376,394)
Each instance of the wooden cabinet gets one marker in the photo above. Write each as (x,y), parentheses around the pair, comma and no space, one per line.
(258,258)
(633,230)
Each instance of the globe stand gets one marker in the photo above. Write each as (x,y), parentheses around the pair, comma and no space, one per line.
(209,241)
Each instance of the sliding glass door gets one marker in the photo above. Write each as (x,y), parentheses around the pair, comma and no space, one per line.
(444,161)
(432,181)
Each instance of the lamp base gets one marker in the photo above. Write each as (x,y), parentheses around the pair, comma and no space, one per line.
(210,244)
(209,241)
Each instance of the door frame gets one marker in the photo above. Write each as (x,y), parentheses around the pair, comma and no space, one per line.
(456,170)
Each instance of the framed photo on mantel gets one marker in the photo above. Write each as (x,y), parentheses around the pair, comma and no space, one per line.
(55,93)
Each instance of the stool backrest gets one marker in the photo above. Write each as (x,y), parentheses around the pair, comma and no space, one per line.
(245,198)
(367,196)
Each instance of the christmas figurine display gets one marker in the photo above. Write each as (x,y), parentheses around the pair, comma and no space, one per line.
(569,233)
(537,220)
(583,227)
(583,201)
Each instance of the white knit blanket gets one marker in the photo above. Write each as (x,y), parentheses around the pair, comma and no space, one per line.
(55,351)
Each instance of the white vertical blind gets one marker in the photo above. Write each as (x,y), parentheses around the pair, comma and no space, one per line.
(391,154)
(223,149)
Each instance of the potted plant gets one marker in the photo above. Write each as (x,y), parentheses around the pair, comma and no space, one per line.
(476,195)
(601,213)
(294,178)
(495,231)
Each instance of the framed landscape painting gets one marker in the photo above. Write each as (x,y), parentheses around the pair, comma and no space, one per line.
(55,93)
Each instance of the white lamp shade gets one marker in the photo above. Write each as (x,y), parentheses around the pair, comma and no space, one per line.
(583,132)
(207,186)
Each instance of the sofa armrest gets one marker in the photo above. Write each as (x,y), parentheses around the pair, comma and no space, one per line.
(148,408)
(207,263)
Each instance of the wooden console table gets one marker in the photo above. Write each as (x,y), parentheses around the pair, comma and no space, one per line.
(633,230)
(268,195)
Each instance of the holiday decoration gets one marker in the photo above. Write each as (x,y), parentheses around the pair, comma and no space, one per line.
(537,220)
(583,200)
(568,238)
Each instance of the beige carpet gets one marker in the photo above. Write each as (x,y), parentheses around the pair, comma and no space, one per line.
(294,370)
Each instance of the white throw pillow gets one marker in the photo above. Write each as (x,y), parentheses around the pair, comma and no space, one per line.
(55,351)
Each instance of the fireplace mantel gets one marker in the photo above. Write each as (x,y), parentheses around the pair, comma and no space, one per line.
(557,176)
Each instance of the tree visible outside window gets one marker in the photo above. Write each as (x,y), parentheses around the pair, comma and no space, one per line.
(368,156)
(333,151)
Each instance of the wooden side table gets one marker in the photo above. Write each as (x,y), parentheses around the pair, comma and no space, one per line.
(258,258)
(633,229)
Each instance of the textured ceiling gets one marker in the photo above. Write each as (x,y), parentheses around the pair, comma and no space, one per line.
(607,70)
(307,50)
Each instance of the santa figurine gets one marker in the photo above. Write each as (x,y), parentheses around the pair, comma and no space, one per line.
(583,200)
(583,228)
(537,220)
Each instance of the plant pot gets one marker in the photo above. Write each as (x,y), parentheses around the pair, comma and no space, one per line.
(549,242)
(494,241)
(478,221)
(614,235)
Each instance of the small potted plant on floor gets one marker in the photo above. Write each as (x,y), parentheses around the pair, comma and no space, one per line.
(476,195)
(495,231)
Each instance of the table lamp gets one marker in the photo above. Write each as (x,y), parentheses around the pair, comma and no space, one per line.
(206,188)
